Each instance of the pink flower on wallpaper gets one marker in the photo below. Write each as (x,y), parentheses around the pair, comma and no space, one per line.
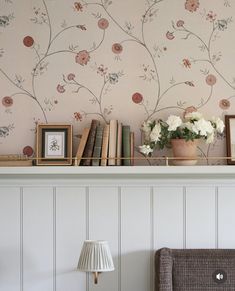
(77,116)
(137,98)
(191,5)
(60,88)
(7,101)
(28,151)
(186,63)
(28,41)
(102,70)
(78,6)
(117,48)
(211,80)
(103,23)
(189,109)
(211,16)
(71,77)
(180,23)
(170,35)
(224,104)
(82,58)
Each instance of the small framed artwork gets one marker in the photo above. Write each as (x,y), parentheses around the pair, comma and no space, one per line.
(230,138)
(54,144)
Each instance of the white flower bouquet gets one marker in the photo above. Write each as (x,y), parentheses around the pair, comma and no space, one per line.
(159,133)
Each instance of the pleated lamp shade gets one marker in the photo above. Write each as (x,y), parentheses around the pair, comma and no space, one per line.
(95,257)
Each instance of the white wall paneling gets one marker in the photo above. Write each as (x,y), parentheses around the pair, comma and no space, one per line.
(44,220)
(200,217)
(135,238)
(10,239)
(38,239)
(71,231)
(226,217)
(104,225)
(168,217)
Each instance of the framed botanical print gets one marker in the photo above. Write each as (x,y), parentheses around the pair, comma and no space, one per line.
(54,144)
(230,138)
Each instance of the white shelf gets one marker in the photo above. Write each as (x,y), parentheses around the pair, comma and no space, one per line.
(211,172)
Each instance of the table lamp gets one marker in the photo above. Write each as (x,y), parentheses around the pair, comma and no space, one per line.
(95,257)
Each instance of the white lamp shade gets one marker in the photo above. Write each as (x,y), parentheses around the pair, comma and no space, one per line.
(95,257)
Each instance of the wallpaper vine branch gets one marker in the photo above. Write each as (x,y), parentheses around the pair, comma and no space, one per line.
(69,61)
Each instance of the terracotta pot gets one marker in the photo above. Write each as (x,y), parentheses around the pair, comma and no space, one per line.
(184,149)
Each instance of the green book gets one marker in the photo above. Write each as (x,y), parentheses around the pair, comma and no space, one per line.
(126,145)
(97,146)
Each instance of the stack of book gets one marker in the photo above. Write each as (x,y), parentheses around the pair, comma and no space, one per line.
(106,145)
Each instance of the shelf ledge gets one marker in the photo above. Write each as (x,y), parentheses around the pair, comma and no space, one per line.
(179,172)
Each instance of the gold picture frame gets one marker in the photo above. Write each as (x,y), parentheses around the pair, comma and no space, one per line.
(54,145)
(230,138)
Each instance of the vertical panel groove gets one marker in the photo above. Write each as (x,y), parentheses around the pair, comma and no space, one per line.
(21,241)
(87,230)
(54,239)
(216,218)
(184,218)
(151,239)
(119,238)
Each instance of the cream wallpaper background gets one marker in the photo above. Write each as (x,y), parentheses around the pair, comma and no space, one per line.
(66,61)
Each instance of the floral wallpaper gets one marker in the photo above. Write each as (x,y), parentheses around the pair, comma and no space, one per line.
(66,61)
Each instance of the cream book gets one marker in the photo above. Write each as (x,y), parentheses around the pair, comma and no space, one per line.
(132,146)
(105,146)
(112,142)
(82,145)
(119,144)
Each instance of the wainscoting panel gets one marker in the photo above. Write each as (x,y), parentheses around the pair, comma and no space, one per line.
(38,243)
(136,238)
(169,221)
(10,239)
(226,217)
(200,217)
(70,225)
(104,225)
(44,222)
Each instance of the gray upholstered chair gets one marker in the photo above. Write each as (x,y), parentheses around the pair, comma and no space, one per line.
(195,270)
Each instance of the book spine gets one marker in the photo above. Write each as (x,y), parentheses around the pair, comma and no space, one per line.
(105,145)
(119,144)
(132,147)
(97,147)
(126,147)
(112,142)
(82,145)
(90,143)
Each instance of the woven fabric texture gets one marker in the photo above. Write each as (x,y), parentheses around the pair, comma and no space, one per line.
(195,270)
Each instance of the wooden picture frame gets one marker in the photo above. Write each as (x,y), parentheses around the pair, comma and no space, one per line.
(230,138)
(54,145)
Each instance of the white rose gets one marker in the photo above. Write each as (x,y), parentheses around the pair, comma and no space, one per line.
(173,122)
(145,149)
(203,127)
(193,115)
(219,124)
(156,133)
